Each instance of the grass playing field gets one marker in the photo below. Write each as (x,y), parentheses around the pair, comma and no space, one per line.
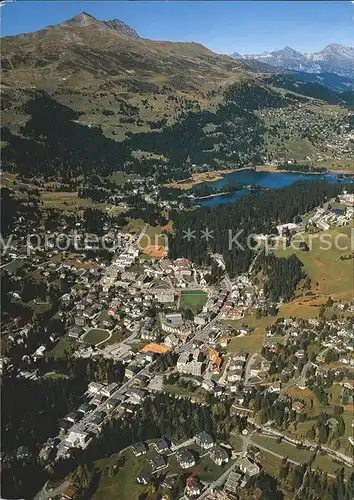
(95,336)
(193,300)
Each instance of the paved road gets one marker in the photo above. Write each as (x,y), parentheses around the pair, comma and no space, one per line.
(228,283)
(245,444)
(248,366)
(188,442)
(145,370)
(222,379)
(141,235)
(308,444)
(250,269)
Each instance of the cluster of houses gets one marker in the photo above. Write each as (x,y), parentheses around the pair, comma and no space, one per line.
(236,369)
(245,296)
(324,219)
(340,338)
(236,480)
(191,363)
(347,199)
(162,453)
(334,343)
(78,428)
(119,265)
(176,326)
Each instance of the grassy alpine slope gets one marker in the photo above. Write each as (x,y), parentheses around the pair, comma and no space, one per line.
(163,108)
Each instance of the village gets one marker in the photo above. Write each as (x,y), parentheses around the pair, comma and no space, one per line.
(174,332)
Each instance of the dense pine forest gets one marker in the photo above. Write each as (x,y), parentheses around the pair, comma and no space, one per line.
(308,89)
(54,144)
(283,275)
(255,214)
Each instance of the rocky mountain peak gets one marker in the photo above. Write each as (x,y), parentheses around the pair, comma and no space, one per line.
(334,58)
(85,19)
(290,50)
(82,19)
(123,28)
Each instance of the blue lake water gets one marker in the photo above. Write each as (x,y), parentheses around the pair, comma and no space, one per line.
(263,179)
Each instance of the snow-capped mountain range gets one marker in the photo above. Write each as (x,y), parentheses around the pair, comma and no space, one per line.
(334,58)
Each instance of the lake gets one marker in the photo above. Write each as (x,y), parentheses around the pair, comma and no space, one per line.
(263,179)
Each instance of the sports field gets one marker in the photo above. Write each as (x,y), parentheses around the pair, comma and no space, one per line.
(193,300)
(95,336)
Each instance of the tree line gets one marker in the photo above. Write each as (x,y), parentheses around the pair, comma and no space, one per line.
(255,214)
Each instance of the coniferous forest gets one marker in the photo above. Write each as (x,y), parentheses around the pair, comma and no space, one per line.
(231,227)
(53,142)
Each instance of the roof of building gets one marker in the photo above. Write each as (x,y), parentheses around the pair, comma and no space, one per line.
(246,464)
(174,318)
(204,438)
(69,492)
(219,453)
(232,481)
(157,348)
(140,446)
(185,456)
(157,461)
(144,477)
(162,444)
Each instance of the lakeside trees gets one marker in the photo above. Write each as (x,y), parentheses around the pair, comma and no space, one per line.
(231,226)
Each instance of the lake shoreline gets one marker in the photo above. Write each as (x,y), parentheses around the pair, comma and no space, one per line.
(210,196)
(217,175)
(258,179)
(203,177)
(274,169)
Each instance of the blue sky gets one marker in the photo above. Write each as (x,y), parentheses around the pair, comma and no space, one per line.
(224,27)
